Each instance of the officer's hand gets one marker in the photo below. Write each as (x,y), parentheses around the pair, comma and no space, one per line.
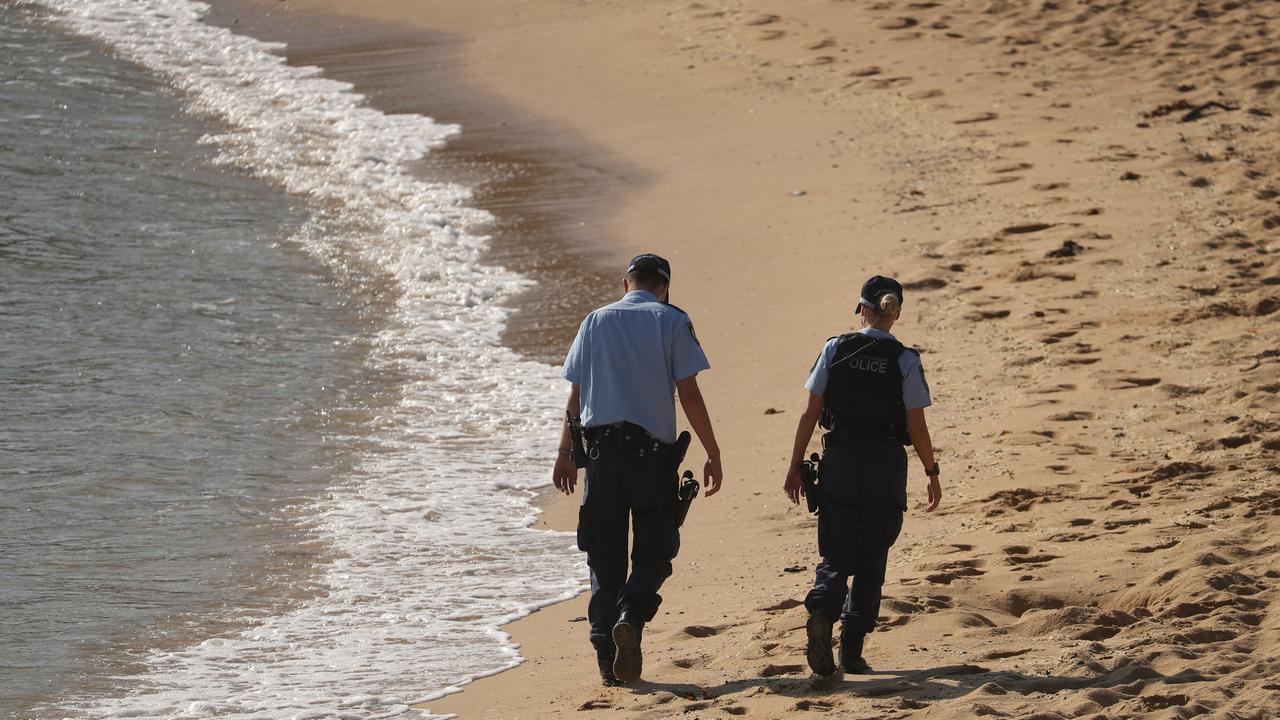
(935,494)
(794,486)
(565,474)
(712,475)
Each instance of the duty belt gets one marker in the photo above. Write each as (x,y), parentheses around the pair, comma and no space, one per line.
(863,435)
(625,437)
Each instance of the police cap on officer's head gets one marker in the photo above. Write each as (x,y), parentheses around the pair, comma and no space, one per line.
(877,287)
(648,262)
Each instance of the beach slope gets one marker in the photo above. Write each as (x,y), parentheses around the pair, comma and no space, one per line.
(1081,199)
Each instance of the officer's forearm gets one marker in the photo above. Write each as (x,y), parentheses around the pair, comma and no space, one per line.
(804,429)
(571,407)
(695,408)
(918,430)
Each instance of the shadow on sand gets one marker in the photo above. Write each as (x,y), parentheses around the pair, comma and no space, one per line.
(945,682)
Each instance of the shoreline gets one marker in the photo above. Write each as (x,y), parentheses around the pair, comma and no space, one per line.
(548,191)
(1055,231)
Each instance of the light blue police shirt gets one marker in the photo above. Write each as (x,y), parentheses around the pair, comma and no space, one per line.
(627,359)
(915,391)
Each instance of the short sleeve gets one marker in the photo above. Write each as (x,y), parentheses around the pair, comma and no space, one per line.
(687,358)
(577,357)
(915,390)
(817,382)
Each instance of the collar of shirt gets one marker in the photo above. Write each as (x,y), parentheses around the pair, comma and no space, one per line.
(878,334)
(640,296)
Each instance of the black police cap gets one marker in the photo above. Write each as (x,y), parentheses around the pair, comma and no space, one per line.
(648,262)
(877,287)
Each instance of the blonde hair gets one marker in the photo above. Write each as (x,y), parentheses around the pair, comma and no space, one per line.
(890,305)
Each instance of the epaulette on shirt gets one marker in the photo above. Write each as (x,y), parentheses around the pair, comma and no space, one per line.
(688,321)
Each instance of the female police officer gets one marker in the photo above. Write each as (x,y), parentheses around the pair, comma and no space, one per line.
(869,393)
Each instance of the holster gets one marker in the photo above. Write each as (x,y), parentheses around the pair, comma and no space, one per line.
(689,489)
(578,448)
(678,507)
(813,493)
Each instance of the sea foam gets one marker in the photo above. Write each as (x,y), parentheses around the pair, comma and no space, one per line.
(431,534)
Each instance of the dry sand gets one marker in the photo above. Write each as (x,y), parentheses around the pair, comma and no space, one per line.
(1082,200)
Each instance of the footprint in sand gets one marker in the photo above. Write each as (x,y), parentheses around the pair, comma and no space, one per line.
(886,83)
(866,72)
(771,35)
(784,605)
(1072,537)
(914,604)
(772,670)
(1021,499)
(1046,187)
(1125,383)
(1018,601)
(987,315)
(1014,167)
(1153,547)
(925,94)
(978,118)
(899,23)
(1000,655)
(1026,228)
(1003,180)
(931,283)
(1029,561)
(1129,522)
(950,571)
(1232,442)
(700,631)
(766,19)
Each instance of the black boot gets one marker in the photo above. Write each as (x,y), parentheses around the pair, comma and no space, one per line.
(627,661)
(818,652)
(604,660)
(851,651)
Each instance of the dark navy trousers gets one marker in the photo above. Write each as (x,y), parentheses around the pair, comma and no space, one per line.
(628,487)
(864,483)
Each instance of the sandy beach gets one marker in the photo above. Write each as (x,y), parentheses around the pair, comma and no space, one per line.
(1081,200)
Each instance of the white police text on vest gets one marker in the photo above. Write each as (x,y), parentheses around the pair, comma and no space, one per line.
(869,364)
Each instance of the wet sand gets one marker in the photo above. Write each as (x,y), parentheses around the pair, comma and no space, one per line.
(1083,205)
(548,190)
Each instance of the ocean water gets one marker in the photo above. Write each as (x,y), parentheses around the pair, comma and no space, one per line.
(262,453)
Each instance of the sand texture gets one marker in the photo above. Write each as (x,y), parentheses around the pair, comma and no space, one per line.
(1081,199)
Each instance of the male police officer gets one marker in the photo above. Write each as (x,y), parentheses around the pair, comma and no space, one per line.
(625,364)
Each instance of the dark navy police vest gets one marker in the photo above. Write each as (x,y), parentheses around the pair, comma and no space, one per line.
(864,389)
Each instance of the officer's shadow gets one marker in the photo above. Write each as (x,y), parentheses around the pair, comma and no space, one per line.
(945,682)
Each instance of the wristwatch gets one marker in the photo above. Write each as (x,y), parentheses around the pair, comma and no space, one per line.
(933,471)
